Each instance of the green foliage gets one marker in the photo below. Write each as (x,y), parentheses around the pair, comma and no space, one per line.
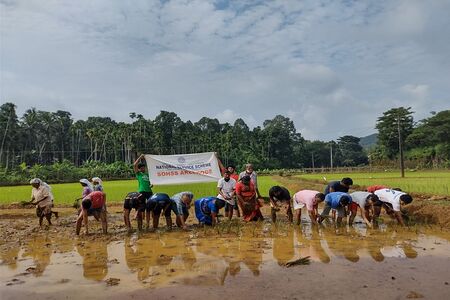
(388,125)
(116,191)
(426,182)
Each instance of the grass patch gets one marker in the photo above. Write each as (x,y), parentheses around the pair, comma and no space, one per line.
(423,182)
(116,190)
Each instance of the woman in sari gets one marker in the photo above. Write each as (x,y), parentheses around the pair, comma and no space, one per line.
(247,200)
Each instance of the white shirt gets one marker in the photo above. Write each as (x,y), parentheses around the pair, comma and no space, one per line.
(227,188)
(253,177)
(390,196)
(360,198)
(42,192)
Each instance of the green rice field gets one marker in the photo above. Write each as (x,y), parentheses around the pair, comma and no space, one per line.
(116,190)
(424,182)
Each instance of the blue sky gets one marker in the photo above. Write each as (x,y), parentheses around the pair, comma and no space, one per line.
(333,67)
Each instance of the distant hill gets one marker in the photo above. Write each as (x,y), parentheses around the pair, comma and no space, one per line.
(369,141)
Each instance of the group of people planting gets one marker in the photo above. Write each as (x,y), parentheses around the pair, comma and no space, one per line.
(237,193)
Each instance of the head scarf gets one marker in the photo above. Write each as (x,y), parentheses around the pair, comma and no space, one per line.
(87,182)
(35,181)
(97,179)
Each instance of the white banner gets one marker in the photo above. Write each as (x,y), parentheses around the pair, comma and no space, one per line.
(183,168)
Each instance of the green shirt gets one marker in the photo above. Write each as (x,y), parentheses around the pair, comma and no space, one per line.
(144,182)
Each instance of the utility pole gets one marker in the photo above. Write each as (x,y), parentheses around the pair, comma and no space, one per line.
(400,147)
(331,155)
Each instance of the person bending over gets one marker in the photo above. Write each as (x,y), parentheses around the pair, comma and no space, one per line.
(280,199)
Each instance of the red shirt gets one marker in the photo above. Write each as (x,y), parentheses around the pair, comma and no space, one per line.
(373,188)
(235,176)
(98,199)
(244,190)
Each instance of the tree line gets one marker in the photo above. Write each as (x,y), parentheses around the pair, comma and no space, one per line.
(39,138)
(45,137)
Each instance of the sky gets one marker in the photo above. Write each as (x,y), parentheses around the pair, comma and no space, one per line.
(333,67)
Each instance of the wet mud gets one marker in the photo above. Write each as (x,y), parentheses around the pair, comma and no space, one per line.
(232,260)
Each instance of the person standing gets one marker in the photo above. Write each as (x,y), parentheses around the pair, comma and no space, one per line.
(144,185)
(249,171)
(42,197)
(226,187)
(235,176)
(249,204)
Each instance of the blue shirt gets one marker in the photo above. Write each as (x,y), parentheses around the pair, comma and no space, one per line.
(333,199)
(207,205)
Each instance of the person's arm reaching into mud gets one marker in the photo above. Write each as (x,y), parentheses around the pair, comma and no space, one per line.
(363,215)
(398,216)
(313,217)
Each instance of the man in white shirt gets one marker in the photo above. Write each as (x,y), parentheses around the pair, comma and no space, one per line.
(226,187)
(392,201)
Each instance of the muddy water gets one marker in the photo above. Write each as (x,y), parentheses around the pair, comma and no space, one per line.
(231,256)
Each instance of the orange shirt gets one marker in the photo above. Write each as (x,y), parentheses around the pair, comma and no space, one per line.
(244,190)
(235,176)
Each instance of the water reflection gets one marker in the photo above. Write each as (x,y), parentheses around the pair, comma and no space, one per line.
(208,258)
(94,256)
(39,249)
(9,256)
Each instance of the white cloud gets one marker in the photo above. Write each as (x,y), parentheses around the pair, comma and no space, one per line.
(333,68)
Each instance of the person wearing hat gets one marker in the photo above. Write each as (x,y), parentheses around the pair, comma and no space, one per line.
(42,197)
(247,201)
(207,210)
(226,187)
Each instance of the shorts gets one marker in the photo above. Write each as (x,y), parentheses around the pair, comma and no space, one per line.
(185,210)
(158,203)
(299,205)
(146,195)
(43,211)
(353,207)
(134,200)
(326,211)
(229,206)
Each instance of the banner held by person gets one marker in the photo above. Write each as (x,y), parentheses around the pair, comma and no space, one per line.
(183,168)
